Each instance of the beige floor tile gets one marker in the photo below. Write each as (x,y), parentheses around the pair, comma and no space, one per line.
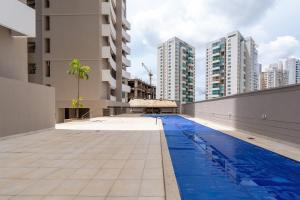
(151,198)
(135,164)
(107,174)
(125,188)
(14,187)
(42,187)
(5,197)
(97,188)
(14,173)
(84,174)
(114,164)
(152,188)
(61,174)
(39,173)
(94,164)
(26,198)
(136,156)
(153,163)
(154,156)
(89,198)
(70,187)
(122,198)
(59,198)
(131,174)
(153,173)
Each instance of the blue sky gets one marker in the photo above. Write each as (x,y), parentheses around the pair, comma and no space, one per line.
(273,24)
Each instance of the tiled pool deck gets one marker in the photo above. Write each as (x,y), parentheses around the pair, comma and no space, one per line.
(85,164)
(122,158)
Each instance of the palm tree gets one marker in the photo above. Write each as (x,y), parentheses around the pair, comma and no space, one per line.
(81,73)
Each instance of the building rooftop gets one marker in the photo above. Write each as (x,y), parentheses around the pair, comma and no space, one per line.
(150,103)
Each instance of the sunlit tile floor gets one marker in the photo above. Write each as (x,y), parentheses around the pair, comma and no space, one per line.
(82,165)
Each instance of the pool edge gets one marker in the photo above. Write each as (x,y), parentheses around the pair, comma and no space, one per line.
(170,182)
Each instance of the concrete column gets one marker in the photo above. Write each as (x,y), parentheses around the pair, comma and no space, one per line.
(119,51)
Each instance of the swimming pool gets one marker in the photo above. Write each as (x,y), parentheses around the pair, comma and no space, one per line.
(211,165)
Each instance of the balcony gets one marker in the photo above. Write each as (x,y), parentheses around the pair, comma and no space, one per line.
(126,88)
(126,36)
(126,23)
(113,98)
(126,62)
(216,47)
(107,77)
(107,9)
(112,46)
(114,3)
(216,61)
(126,49)
(18,17)
(106,53)
(126,74)
(109,30)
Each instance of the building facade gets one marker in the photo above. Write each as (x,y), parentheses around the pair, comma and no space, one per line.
(141,90)
(231,66)
(293,67)
(24,106)
(176,71)
(95,32)
(263,81)
(278,76)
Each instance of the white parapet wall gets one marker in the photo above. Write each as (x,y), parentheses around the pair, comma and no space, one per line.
(18,17)
(25,107)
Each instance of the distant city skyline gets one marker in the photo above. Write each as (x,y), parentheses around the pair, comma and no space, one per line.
(199,22)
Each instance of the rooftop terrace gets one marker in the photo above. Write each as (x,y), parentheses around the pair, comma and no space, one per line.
(85,160)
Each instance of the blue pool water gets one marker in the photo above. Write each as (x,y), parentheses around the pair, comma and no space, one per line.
(210,165)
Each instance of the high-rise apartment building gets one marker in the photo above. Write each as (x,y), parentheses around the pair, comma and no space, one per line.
(95,32)
(277,75)
(176,71)
(293,67)
(263,80)
(231,66)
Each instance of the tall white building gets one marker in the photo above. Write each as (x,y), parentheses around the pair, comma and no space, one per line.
(176,71)
(277,76)
(293,67)
(231,66)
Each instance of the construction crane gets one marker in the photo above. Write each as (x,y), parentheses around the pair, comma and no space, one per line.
(149,71)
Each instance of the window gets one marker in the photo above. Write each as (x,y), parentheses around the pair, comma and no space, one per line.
(48,68)
(31,47)
(47,45)
(31,3)
(47,3)
(31,68)
(47,23)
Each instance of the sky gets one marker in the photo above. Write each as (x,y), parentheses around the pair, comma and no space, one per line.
(273,24)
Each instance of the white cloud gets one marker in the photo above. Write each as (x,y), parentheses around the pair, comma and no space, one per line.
(282,47)
(195,21)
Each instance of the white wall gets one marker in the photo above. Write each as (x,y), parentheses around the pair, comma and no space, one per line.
(18,17)
(25,107)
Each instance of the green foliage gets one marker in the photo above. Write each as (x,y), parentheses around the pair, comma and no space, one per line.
(76,103)
(79,70)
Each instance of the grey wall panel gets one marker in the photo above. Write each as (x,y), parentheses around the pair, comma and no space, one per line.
(274,113)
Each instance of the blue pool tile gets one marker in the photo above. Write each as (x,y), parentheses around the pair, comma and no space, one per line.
(210,165)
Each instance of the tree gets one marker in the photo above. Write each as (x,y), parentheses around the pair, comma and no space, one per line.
(81,73)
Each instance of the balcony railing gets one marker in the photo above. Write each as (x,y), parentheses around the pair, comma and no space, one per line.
(126,36)
(107,77)
(126,62)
